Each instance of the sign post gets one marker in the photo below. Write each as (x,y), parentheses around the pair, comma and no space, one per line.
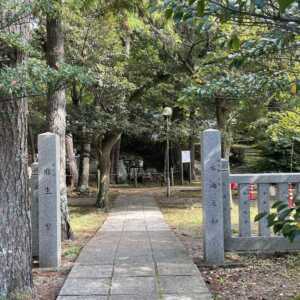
(186,159)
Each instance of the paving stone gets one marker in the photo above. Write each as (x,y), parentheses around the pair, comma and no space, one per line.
(142,259)
(179,269)
(134,270)
(88,258)
(136,252)
(105,246)
(171,257)
(134,297)
(84,286)
(133,228)
(188,297)
(82,298)
(161,247)
(183,284)
(135,235)
(171,251)
(112,229)
(91,271)
(111,236)
(133,286)
(133,244)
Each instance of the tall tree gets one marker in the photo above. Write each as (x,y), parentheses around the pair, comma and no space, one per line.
(15,225)
(56,97)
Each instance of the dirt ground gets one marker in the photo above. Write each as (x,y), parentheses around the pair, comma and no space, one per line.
(85,221)
(258,277)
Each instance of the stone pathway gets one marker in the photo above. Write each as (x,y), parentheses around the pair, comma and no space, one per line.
(134,256)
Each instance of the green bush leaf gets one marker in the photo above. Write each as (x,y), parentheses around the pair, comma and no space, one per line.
(277,203)
(178,15)
(169,13)
(260,216)
(234,42)
(271,219)
(281,207)
(278,226)
(284,214)
(283,4)
(200,8)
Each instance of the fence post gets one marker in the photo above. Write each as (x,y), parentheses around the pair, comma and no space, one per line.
(226,198)
(212,197)
(297,191)
(49,200)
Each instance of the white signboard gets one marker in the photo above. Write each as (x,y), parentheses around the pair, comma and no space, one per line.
(185,156)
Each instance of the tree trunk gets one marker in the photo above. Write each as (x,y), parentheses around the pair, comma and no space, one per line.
(112,166)
(115,157)
(85,166)
(105,145)
(57,111)
(72,161)
(32,144)
(104,166)
(192,144)
(192,150)
(15,224)
(222,117)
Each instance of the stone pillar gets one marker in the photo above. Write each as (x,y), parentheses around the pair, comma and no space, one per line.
(34,193)
(298,192)
(226,192)
(212,197)
(49,200)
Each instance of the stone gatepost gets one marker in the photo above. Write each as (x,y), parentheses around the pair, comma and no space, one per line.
(212,197)
(34,190)
(49,200)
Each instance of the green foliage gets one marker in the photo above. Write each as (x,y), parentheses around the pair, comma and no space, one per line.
(285,125)
(284,4)
(234,42)
(285,220)
(125,60)
(33,77)
(72,252)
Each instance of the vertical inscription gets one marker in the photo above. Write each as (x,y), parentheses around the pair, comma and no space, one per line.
(212,197)
(49,201)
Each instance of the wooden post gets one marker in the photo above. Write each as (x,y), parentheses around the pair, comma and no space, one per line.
(98,179)
(190,172)
(181,171)
(135,177)
(172,176)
